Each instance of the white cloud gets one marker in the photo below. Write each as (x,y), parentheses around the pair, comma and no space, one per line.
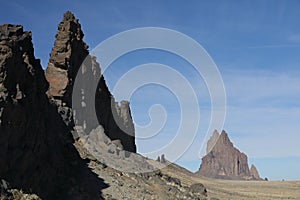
(263,112)
(261,88)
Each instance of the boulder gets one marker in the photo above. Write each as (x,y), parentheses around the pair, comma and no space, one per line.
(198,188)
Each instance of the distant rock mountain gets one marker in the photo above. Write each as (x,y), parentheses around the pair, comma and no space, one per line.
(224,161)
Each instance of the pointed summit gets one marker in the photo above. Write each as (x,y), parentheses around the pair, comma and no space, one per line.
(224,139)
(67,55)
(91,93)
(212,141)
(224,161)
(68,16)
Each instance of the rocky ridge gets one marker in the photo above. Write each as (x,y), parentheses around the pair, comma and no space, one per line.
(37,150)
(131,176)
(224,161)
(36,147)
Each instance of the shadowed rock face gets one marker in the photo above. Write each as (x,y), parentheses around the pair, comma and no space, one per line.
(224,160)
(67,55)
(36,148)
(70,61)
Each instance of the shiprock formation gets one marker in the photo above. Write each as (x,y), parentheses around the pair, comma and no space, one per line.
(224,161)
(40,148)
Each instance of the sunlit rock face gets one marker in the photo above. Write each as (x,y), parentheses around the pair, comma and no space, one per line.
(223,160)
(254,172)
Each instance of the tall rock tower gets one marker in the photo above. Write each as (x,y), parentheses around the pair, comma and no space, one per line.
(224,161)
(71,63)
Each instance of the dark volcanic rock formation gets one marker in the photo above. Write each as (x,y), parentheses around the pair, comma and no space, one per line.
(38,155)
(225,161)
(68,53)
(36,147)
(69,62)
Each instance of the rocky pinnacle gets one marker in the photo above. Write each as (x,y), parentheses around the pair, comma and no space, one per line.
(69,64)
(224,161)
(36,147)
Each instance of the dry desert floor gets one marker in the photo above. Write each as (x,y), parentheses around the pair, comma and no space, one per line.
(239,190)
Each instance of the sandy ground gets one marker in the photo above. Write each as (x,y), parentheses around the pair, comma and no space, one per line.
(240,190)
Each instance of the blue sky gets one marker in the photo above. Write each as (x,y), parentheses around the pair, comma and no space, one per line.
(255,44)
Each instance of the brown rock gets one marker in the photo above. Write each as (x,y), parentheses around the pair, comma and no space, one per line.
(212,141)
(198,188)
(225,161)
(68,55)
(254,172)
(36,148)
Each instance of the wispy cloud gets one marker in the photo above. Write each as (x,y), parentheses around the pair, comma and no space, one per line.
(270,46)
(263,110)
(262,87)
(295,38)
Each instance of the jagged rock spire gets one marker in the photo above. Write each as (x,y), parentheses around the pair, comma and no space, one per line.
(224,161)
(94,103)
(254,172)
(212,141)
(67,55)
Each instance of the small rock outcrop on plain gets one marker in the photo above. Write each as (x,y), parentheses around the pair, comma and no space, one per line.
(254,172)
(224,161)
(161,159)
(70,63)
